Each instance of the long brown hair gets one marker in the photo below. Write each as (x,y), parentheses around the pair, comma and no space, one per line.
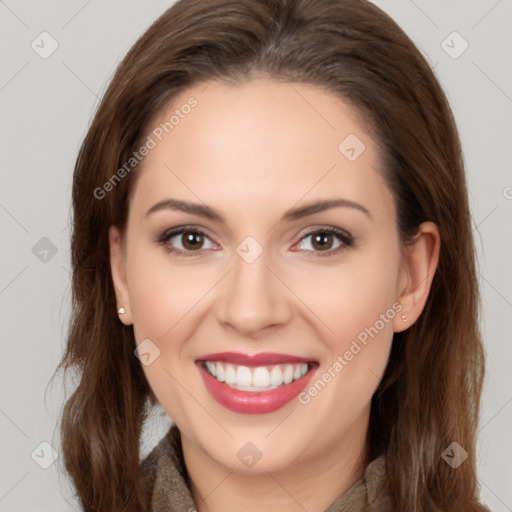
(430,394)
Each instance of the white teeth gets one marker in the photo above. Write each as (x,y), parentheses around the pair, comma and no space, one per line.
(288,374)
(276,376)
(259,378)
(230,375)
(219,372)
(211,368)
(243,376)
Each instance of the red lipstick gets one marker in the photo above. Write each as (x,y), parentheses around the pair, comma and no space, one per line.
(254,402)
(261,359)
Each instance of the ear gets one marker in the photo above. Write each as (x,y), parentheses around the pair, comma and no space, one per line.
(117,266)
(419,263)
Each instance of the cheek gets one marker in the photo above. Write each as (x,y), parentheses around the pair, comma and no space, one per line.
(164,297)
(162,294)
(358,303)
(354,297)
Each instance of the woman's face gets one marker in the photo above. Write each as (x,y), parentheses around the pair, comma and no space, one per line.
(261,247)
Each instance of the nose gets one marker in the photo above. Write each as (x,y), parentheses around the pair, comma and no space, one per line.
(253,299)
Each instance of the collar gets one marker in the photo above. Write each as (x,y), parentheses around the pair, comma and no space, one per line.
(165,480)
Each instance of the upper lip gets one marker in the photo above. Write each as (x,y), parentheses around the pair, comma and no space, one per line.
(261,359)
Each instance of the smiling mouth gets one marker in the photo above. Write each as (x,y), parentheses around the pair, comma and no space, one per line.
(255,383)
(255,378)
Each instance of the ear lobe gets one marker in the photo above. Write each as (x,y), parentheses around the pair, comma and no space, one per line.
(117,267)
(420,261)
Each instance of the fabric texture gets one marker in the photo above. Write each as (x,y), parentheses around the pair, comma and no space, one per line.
(165,480)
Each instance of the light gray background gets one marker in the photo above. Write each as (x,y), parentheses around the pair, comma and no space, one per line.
(46,105)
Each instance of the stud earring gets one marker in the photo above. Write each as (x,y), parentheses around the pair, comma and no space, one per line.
(404,319)
(121,311)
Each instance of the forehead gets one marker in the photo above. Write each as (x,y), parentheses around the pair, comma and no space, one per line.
(260,140)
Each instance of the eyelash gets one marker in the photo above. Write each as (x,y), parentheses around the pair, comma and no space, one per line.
(344,237)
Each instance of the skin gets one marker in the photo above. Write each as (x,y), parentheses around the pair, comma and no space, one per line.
(252,151)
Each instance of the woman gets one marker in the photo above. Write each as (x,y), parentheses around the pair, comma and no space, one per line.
(272,241)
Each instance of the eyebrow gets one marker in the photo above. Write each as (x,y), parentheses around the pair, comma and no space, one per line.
(203,210)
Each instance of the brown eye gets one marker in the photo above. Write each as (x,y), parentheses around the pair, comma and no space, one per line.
(186,241)
(192,240)
(325,242)
(322,241)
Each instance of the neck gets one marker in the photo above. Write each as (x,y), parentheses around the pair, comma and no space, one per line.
(311,484)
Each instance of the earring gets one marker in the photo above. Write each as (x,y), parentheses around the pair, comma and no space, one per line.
(404,319)
(121,311)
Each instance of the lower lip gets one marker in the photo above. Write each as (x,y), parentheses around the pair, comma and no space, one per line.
(257,402)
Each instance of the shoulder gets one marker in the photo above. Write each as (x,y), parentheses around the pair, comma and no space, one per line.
(369,493)
(164,477)
(376,485)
